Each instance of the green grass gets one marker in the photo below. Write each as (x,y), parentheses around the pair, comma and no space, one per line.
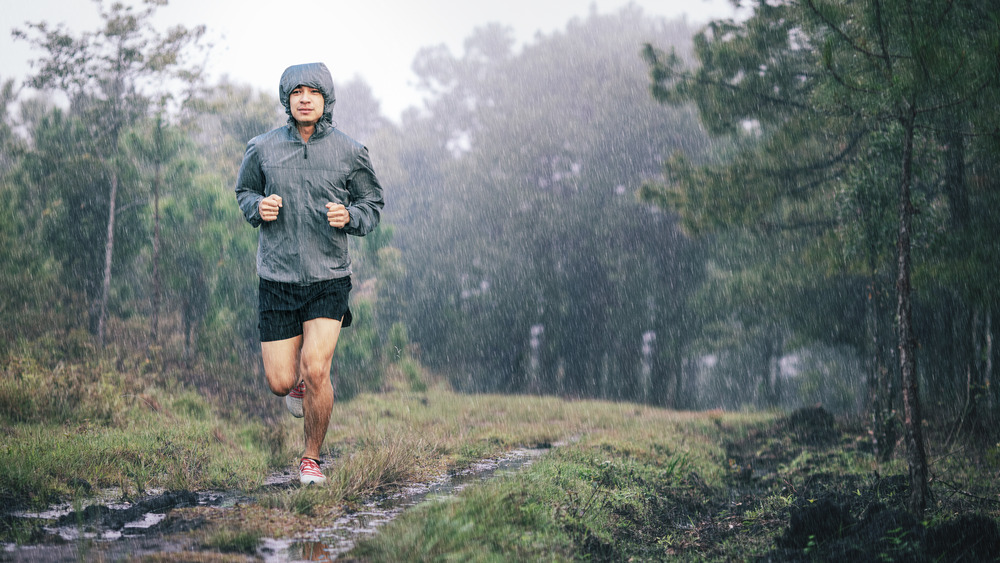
(228,540)
(619,481)
(621,490)
(73,428)
(42,462)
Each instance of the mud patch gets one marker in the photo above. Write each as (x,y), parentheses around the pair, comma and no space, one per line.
(144,514)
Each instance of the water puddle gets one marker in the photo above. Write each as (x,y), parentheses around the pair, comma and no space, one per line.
(328,543)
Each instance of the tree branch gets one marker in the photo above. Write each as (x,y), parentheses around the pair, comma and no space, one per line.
(847,39)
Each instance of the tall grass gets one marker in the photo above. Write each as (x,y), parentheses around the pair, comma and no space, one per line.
(76,425)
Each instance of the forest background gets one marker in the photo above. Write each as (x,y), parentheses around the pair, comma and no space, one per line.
(629,209)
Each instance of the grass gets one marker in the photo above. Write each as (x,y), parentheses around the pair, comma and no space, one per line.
(650,485)
(621,490)
(229,540)
(620,481)
(73,428)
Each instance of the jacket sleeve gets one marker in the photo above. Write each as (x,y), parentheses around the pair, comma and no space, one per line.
(366,197)
(250,185)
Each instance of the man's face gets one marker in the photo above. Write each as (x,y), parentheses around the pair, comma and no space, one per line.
(306,104)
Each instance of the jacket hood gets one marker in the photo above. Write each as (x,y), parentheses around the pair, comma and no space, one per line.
(313,75)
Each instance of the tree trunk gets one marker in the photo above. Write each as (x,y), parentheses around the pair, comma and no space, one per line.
(187,322)
(108,253)
(155,328)
(976,390)
(768,353)
(880,387)
(991,402)
(916,455)
(680,400)
(954,184)
(991,385)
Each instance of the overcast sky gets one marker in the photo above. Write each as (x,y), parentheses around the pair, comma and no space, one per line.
(254,40)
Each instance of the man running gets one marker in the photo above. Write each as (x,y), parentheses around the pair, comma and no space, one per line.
(307,186)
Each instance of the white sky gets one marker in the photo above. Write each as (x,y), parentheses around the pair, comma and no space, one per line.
(254,40)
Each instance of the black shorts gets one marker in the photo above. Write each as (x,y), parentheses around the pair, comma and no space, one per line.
(284,307)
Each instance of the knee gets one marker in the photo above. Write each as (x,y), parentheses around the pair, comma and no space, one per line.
(280,388)
(315,373)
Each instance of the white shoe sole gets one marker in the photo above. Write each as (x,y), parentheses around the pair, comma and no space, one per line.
(294,406)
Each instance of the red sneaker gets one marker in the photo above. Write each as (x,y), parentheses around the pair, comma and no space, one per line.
(309,472)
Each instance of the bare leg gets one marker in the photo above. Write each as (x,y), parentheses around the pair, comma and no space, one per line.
(319,340)
(281,362)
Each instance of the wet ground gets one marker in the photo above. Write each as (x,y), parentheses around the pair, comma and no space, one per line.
(840,516)
(326,544)
(108,529)
(832,514)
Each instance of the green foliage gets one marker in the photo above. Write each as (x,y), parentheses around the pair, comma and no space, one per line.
(68,185)
(414,374)
(821,99)
(44,382)
(523,173)
(399,339)
(103,74)
(229,540)
(357,362)
(28,278)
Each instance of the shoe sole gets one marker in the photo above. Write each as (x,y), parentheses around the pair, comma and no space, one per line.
(294,406)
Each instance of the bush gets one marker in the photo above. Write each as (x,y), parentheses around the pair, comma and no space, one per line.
(357,361)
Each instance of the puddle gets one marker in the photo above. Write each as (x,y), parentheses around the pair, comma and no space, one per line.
(329,542)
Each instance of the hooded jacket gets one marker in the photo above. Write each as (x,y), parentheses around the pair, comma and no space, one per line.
(300,246)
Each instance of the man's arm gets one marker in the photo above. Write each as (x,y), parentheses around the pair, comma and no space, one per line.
(250,185)
(366,197)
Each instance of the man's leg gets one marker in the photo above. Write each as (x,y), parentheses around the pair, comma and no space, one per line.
(281,362)
(319,340)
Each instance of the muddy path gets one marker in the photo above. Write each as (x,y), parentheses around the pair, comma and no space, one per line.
(109,529)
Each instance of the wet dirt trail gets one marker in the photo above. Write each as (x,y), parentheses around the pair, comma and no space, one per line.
(108,529)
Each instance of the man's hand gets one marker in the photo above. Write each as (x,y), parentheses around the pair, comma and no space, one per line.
(337,215)
(269,206)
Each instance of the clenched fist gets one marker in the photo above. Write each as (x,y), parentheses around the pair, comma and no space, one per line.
(337,215)
(269,206)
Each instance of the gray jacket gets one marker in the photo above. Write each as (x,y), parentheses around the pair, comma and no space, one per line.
(300,246)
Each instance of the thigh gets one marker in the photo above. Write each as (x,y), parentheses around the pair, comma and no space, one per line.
(281,360)
(319,340)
